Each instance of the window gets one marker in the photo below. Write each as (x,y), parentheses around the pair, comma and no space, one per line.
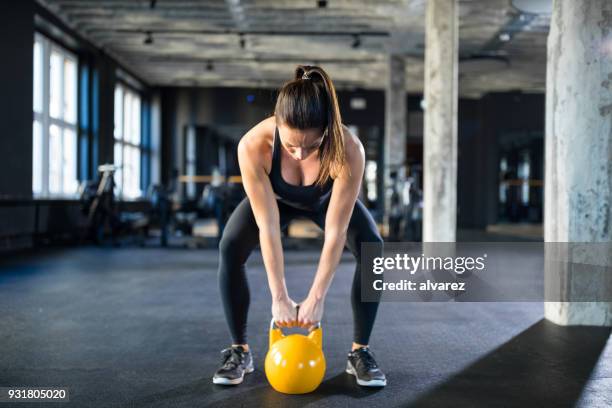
(524,173)
(128,146)
(191,160)
(503,186)
(54,153)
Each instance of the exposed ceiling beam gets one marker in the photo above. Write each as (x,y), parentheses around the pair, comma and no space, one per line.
(246,32)
(264,60)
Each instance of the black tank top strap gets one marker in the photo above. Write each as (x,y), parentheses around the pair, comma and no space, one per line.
(275,151)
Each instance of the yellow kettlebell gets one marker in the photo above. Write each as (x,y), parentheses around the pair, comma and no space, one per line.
(295,364)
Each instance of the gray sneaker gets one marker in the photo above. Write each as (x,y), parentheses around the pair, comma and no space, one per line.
(236,363)
(362,365)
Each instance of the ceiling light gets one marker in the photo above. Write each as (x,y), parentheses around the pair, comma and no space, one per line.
(504,37)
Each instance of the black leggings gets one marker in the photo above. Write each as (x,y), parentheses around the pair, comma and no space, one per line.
(240,237)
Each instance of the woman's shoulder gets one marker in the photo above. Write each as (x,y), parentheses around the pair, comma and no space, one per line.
(352,145)
(258,142)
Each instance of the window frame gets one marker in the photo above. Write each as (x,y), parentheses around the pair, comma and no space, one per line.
(43,117)
(141,146)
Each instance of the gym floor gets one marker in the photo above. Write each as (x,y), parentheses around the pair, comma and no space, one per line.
(143,327)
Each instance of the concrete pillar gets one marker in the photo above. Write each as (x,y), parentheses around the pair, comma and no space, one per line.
(578,178)
(395,125)
(440,134)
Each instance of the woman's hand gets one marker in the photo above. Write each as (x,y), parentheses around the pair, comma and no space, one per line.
(310,312)
(284,312)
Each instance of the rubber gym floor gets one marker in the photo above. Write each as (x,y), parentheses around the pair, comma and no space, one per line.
(143,327)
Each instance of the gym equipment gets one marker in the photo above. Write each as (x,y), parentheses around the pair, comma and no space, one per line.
(295,364)
(406,204)
(161,210)
(220,201)
(104,218)
(219,198)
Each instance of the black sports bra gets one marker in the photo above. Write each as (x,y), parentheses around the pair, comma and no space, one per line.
(308,197)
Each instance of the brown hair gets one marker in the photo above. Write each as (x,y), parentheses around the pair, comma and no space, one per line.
(309,101)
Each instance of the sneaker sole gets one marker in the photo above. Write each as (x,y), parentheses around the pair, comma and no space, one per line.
(372,383)
(235,381)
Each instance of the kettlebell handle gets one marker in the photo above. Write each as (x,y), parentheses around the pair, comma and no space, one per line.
(273,326)
(316,334)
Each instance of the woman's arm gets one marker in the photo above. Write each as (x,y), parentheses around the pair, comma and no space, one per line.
(265,210)
(344,195)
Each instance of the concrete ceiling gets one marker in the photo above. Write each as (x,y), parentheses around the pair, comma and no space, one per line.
(257,43)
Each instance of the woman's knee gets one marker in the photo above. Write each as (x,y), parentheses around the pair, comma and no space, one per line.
(230,246)
(373,240)
(240,232)
(374,237)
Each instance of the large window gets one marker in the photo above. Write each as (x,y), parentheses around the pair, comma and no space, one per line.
(54,164)
(128,146)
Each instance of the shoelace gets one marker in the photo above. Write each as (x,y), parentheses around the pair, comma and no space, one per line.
(232,357)
(366,357)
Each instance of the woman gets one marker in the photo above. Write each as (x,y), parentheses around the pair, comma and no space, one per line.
(301,162)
